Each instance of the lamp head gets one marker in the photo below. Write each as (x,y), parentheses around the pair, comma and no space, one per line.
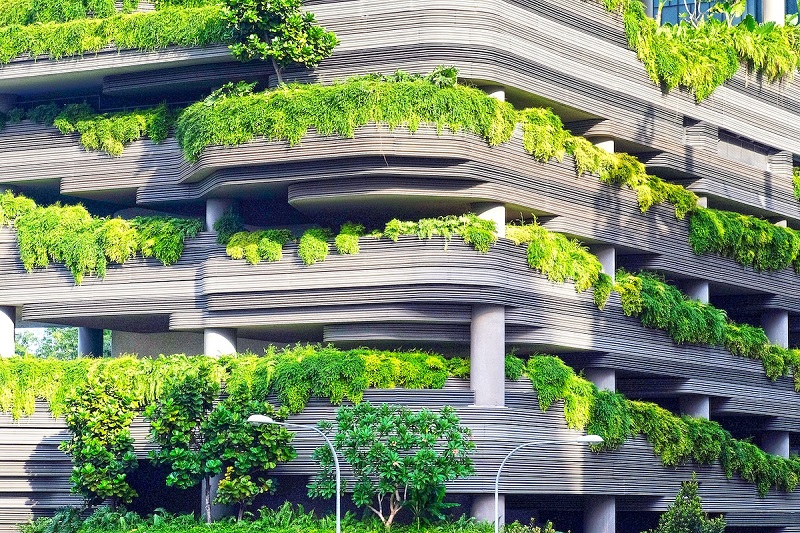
(262,419)
(590,439)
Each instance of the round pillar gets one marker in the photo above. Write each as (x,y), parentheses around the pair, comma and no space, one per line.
(774,11)
(7,102)
(215,208)
(497,92)
(607,255)
(90,342)
(776,443)
(493,211)
(606,143)
(776,325)
(483,508)
(698,290)
(696,405)
(8,316)
(219,341)
(603,378)
(488,355)
(599,514)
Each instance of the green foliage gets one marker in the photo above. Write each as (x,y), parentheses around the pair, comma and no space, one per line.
(796,182)
(229,224)
(748,240)
(106,132)
(686,514)
(460,367)
(676,440)
(40,11)
(399,457)
(183,26)
(98,417)
(288,112)
(701,55)
(313,245)
(662,306)
(561,259)
(246,451)
(347,239)
(475,231)
(255,246)
(277,30)
(70,235)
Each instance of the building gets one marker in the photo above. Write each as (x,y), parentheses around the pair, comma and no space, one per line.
(734,149)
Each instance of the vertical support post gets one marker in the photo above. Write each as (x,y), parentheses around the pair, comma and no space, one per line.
(600,514)
(606,143)
(90,342)
(776,325)
(702,201)
(215,208)
(487,379)
(8,317)
(7,102)
(603,378)
(774,11)
(607,255)
(493,211)
(696,405)
(776,443)
(497,92)
(648,7)
(219,341)
(698,290)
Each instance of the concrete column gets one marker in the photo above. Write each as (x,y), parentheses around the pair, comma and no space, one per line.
(774,11)
(493,211)
(696,405)
(497,92)
(648,7)
(90,342)
(8,316)
(776,325)
(599,514)
(603,378)
(219,341)
(487,352)
(780,222)
(483,508)
(607,255)
(7,102)
(698,290)
(606,143)
(776,443)
(702,201)
(215,208)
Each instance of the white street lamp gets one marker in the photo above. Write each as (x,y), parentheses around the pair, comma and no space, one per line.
(583,439)
(263,419)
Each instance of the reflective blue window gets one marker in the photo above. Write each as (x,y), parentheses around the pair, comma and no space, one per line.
(673,9)
(791,6)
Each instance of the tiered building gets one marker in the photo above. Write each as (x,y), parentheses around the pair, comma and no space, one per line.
(734,149)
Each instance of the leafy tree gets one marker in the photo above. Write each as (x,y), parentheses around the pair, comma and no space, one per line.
(277,30)
(686,514)
(175,421)
(58,343)
(245,451)
(25,343)
(99,417)
(400,458)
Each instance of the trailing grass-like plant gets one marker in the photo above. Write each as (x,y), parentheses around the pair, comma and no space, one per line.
(676,440)
(85,244)
(748,240)
(702,56)
(480,233)
(182,26)
(562,259)
(662,306)
(106,132)
(288,112)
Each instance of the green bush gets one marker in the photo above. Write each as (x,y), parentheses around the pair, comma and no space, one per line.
(686,515)
(255,246)
(748,240)
(228,225)
(313,245)
(86,244)
(702,57)
(347,239)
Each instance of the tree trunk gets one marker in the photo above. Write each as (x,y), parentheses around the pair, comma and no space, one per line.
(207,498)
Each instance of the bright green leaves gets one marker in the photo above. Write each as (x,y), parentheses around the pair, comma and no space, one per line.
(313,245)
(99,416)
(288,112)
(686,514)
(255,246)
(748,240)
(399,457)
(85,244)
(478,232)
(277,30)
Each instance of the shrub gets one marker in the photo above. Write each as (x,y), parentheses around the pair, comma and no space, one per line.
(686,515)
(256,246)
(228,225)
(313,246)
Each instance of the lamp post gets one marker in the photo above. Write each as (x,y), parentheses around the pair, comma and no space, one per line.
(584,439)
(263,419)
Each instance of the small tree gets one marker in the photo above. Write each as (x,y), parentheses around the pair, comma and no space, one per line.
(277,30)
(400,458)
(175,421)
(99,418)
(686,514)
(246,451)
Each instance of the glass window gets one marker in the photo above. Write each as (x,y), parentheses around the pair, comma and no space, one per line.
(673,9)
